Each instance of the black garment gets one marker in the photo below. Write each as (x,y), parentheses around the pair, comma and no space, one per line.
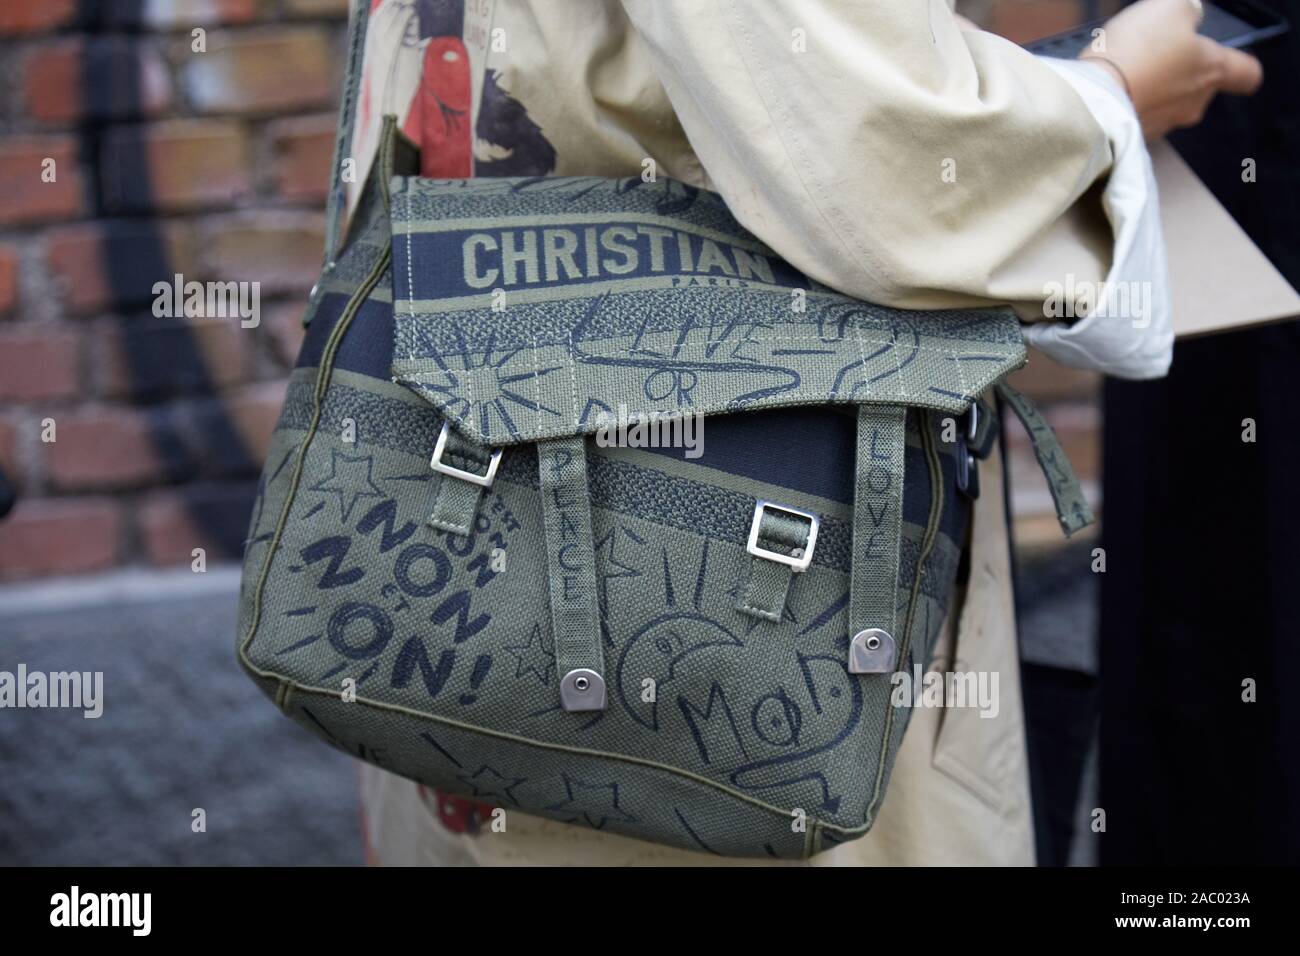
(1202,538)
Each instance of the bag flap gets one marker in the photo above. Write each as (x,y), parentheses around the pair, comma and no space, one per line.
(524,308)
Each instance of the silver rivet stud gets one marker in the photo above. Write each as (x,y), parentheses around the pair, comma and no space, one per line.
(871,651)
(582,689)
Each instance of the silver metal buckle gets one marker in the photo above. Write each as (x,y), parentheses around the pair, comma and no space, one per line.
(799,563)
(973,421)
(437,464)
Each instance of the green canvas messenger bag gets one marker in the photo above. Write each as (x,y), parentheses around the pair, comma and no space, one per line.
(469,565)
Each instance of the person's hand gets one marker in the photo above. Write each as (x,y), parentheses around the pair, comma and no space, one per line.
(1171,72)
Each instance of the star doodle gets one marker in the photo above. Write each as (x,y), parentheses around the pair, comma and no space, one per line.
(489,784)
(596,803)
(347,480)
(533,657)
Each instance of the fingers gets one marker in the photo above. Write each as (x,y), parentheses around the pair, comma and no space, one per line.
(1194,10)
(1178,11)
(1239,72)
(1189,11)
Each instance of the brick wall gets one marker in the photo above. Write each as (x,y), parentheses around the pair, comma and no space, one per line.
(214,165)
(166,160)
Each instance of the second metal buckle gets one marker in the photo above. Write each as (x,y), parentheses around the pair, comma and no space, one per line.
(799,563)
(437,464)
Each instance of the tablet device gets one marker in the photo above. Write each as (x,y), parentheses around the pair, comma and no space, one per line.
(1234,23)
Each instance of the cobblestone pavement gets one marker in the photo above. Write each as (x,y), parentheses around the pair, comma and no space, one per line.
(182,728)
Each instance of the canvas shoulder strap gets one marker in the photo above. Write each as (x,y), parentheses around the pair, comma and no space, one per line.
(336,206)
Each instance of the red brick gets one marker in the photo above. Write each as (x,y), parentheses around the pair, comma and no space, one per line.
(282,325)
(105,264)
(1077,428)
(280,250)
(104,448)
(175,165)
(35,16)
(317,8)
(1045,380)
(8,278)
(52,82)
(1021,21)
(1038,535)
(186,14)
(263,71)
(212,517)
(37,365)
(146,358)
(52,537)
(253,411)
(24,195)
(107,78)
(304,151)
(9,450)
(228,436)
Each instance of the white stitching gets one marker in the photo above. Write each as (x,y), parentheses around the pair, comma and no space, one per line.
(898,365)
(573,381)
(699,346)
(961,376)
(759,612)
(410,272)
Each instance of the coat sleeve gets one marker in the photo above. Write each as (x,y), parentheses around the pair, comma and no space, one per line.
(885,151)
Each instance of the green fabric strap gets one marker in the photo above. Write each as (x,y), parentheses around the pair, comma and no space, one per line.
(334,208)
(767,584)
(571,568)
(1072,508)
(455,504)
(456,501)
(877,537)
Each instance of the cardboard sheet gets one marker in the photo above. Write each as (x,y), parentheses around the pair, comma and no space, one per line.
(1220,280)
